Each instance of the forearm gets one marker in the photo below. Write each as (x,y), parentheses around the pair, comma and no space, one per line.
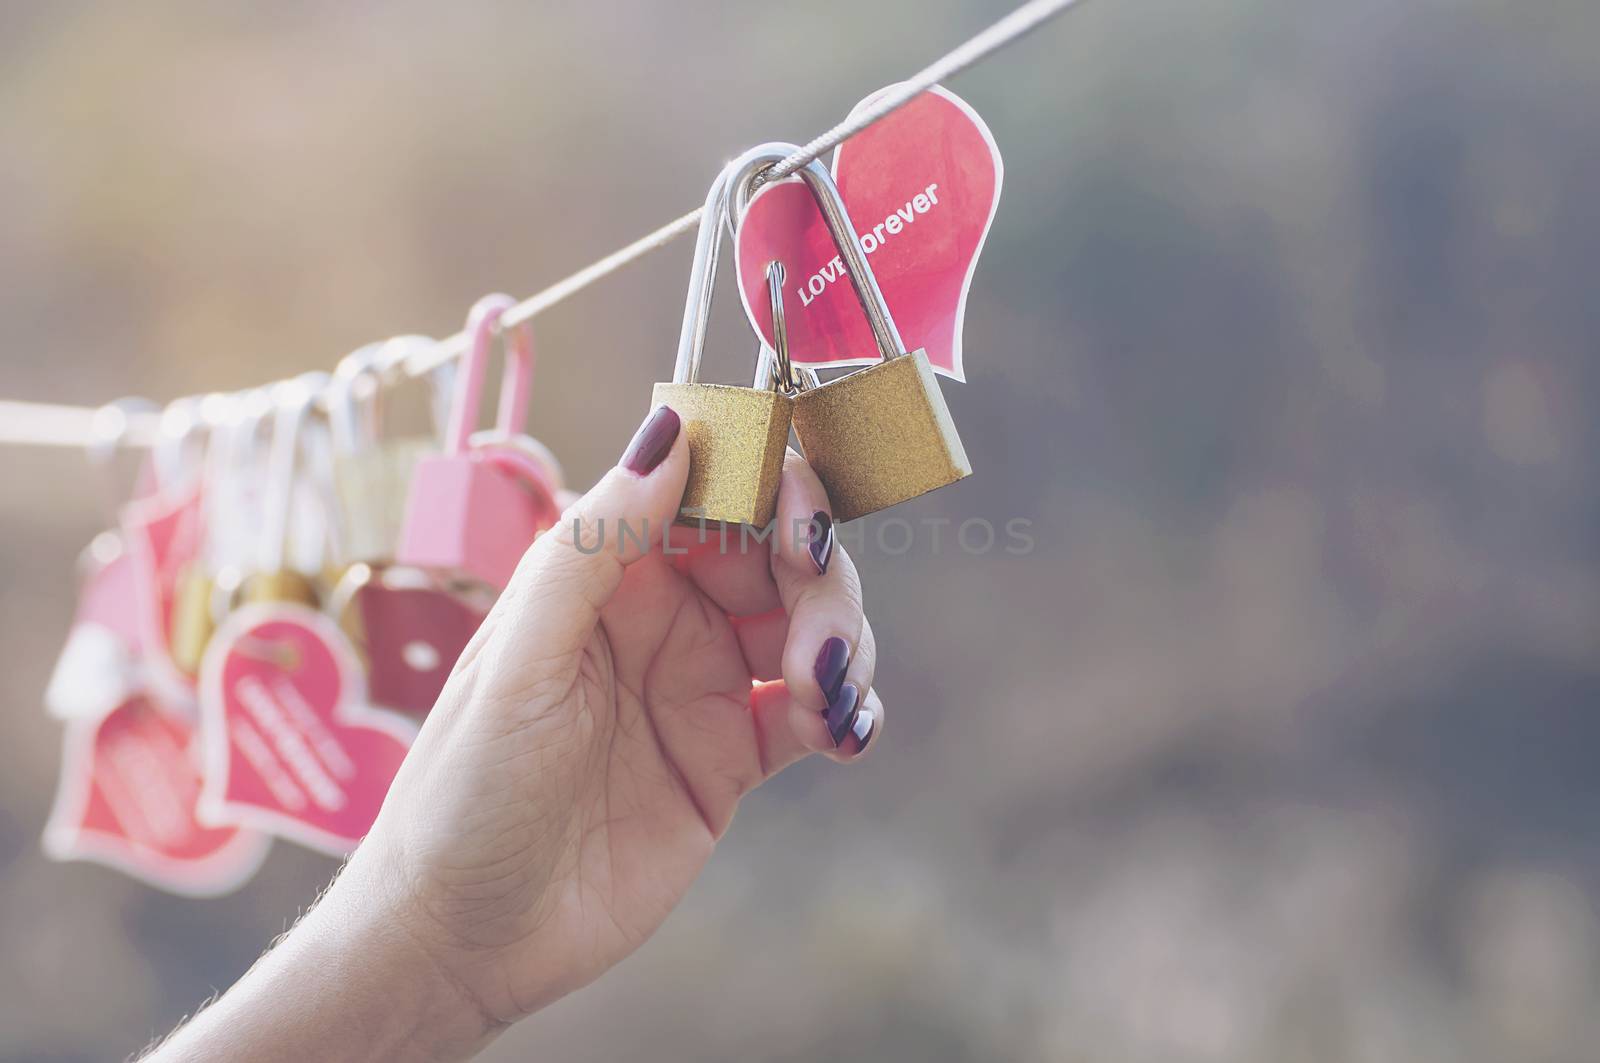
(346,983)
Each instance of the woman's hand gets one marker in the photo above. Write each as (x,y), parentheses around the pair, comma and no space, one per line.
(597,735)
(592,745)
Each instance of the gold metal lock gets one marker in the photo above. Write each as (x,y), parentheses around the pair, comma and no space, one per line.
(737,436)
(281,585)
(192,621)
(881,435)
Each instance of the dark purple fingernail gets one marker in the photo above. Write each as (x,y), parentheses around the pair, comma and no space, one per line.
(861,732)
(652,441)
(832,660)
(821,544)
(842,712)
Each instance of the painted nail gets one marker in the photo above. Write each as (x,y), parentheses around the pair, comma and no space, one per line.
(861,732)
(832,660)
(652,441)
(821,544)
(842,712)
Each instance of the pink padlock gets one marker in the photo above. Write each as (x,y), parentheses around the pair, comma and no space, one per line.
(473,510)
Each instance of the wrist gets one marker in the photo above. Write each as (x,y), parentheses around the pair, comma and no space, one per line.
(405,1002)
(348,982)
(461,940)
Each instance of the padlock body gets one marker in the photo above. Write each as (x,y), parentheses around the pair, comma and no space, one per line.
(410,632)
(283,585)
(371,485)
(737,438)
(192,622)
(470,515)
(880,436)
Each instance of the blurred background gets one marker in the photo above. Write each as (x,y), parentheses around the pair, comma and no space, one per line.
(1280,743)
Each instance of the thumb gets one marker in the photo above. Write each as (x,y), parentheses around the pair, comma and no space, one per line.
(572,570)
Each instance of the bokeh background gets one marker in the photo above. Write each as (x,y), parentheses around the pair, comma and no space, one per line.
(1281,743)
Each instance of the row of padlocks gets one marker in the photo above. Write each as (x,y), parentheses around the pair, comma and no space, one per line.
(299,567)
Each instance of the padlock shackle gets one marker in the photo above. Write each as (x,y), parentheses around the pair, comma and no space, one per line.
(108,430)
(177,432)
(230,455)
(354,400)
(742,187)
(293,401)
(353,416)
(702,275)
(774,369)
(516,385)
(397,350)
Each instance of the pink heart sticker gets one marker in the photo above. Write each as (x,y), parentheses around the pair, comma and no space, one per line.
(291,746)
(921,186)
(130,783)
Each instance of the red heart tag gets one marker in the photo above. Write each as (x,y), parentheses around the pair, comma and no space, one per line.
(164,532)
(291,746)
(921,186)
(129,786)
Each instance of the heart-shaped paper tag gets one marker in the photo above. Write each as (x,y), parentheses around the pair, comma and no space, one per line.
(291,745)
(130,782)
(921,186)
(99,666)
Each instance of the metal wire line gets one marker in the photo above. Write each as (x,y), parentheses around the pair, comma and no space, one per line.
(57,425)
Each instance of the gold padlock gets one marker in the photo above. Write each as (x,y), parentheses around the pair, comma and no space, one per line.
(279,585)
(881,435)
(192,620)
(737,435)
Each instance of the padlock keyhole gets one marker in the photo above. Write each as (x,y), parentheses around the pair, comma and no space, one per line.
(420,656)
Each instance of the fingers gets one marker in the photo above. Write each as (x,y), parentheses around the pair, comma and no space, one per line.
(787,731)
(847,700)
(864,731)
(731,569)
(761,639)
(764,638)
(571,571)
(829,655)
(804,541)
